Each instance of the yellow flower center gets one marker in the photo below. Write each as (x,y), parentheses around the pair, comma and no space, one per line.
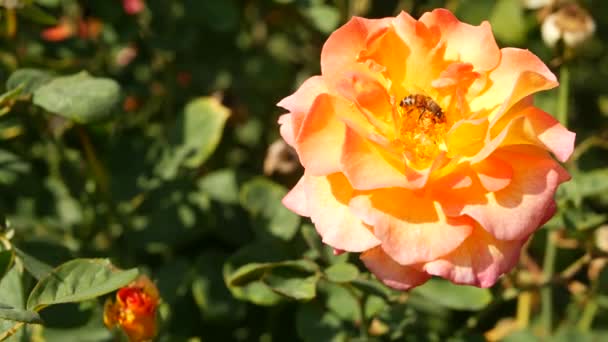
(421,126)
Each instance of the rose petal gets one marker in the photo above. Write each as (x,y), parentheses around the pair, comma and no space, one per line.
(390,272)
(529,126)
(302,99)
(341,50)
(299,104)
(327,204)
(464,42)
(519,74)
(494,174)
(540,128)
(466,137)
(478,261)
(367,168)
(319,142)
(412,228)
(516,211)
(286,128)
(295,200)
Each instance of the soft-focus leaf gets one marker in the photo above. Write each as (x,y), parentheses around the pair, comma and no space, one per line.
(255,271)
(221,186)
(296,287)
(195,136)
(37,15)
(453,296)
(11,166)
(324,18)
(210,292)
(586,184)
(508,22)
(6,261)
(29,79)
(373,287)
(18,315)
(34,266)
(342,273)
(314,324)
(262,198)
(11,294)
(79,97)
(258,293)
(343,302)
(78,280)
(474,12)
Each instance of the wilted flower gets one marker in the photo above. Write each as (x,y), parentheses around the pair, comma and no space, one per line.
(571,23)
(134,310)
(280,158)
(423,150)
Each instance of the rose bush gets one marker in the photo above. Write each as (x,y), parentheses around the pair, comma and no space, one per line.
(423,150)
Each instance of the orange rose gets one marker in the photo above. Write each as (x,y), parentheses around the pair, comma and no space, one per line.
(134,310)
(423,150)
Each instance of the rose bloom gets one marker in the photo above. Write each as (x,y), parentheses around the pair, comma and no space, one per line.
(423,150)
(134,310)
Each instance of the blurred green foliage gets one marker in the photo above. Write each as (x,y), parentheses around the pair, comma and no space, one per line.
(142,138)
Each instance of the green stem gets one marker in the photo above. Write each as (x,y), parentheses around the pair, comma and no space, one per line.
(10,332)
(546,292)
(584,324)
(563,95)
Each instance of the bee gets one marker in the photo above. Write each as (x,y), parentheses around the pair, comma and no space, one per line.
(424,105)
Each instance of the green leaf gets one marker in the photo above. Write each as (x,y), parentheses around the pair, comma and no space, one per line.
(11,166)
(11,294)
(315,324)
(196,135)
(10,95)
(6,261)
(79,97)
(78,280)
(255,271)
(35,267)
(29,79)
(473,12)
(586,184)
(210,292)
(37,15)
(258,293)
(296,288)
(342,273)
(373,287)
(373,306)
(324,18)
(262,199)
(342,302)
(457,297)
(18,315)
(508,22)
(221,186)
